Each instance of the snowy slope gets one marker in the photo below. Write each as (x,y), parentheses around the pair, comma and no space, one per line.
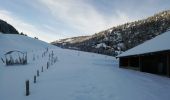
(10,42)
(78,76)
(14,41)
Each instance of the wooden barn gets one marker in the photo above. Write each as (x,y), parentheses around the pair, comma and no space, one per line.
(153,56)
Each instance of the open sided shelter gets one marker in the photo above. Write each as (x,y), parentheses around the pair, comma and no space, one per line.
(15,57)
(153,56)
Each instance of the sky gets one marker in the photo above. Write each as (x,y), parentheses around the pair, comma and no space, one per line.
(50,20)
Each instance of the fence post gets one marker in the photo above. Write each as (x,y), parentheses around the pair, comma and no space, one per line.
(42,69)
(47,65)
(38,73)
(27,88)
(35,79)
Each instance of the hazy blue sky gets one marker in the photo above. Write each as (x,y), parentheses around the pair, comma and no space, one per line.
(50,20)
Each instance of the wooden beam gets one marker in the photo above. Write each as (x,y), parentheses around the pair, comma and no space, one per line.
(120,65)
(168,67)
(140,67)
(128,62)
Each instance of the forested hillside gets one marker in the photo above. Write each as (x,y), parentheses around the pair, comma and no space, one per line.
(120,38)
(7,28)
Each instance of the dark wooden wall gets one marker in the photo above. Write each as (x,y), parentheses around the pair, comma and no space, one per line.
(156,63)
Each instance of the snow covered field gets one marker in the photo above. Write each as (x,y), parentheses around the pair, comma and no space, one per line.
(75,76)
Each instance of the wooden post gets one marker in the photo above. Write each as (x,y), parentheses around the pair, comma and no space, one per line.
(128,62)
(38,73)
(168,67)
(35,79)
(47,65)
(120,62)
(27,87)
(140,67)
(42,69)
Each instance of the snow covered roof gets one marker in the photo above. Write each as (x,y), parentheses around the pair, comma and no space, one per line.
(13,51)
(159,43)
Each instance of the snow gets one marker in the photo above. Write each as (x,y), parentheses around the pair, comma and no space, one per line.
(76,76)
(101,45)
(10,42)
(110,30)
(159,43)
(69,40)
(121,46)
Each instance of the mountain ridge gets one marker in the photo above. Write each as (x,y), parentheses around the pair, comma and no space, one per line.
(121,37)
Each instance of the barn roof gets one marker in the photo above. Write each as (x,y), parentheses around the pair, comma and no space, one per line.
(159,43)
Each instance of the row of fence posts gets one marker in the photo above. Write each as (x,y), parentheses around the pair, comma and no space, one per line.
(51,61)
(27,83)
